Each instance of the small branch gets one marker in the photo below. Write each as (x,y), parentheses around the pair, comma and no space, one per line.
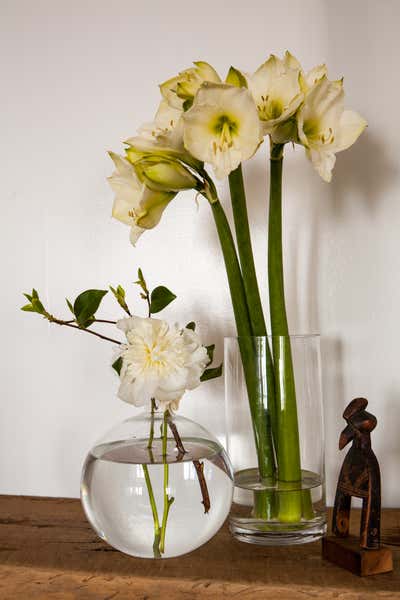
(151,436)
(69,324)
(177,438)
(168,500)
(148,304)
(105,321)
(199,466)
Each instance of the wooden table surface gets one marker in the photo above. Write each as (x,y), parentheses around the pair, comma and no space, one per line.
(49,551)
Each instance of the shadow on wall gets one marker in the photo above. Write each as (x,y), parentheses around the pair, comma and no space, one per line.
(366,171)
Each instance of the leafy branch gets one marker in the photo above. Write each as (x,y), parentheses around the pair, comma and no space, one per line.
(83,309)
(158,299)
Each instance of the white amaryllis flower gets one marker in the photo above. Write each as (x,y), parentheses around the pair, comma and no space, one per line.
(182,89)
(159,361)
(324,127)
(222,127)
(276,90)
(308,80)
(134,204)
(165,120)
(167,144)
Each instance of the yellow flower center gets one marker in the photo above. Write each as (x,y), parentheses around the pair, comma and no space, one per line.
(154,357)
(225,127)
(312,131)
(269,108)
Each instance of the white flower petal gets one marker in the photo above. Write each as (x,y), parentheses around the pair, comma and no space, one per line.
(351,126)
(159,362)
(127,188)
(276,90)
(222,127)
(323,162)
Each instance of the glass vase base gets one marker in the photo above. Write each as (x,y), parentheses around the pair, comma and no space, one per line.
(264,533)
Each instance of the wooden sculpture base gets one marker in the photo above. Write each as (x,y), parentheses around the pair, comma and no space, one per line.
(346,553)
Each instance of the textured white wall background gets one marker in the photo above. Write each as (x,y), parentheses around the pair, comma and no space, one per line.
(79,77)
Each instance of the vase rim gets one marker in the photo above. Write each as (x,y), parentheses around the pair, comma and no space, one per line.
(270,337)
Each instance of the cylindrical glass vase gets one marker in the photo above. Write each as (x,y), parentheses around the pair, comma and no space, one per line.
(269,509)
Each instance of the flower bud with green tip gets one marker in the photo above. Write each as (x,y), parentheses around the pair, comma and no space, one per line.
(164,175)
(180,91)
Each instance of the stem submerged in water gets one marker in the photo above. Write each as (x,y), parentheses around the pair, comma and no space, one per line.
(156,543)
(168,500)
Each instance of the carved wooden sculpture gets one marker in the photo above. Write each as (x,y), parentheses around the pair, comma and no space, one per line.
(359,478)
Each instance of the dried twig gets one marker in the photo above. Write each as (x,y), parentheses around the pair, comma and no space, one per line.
(199,466)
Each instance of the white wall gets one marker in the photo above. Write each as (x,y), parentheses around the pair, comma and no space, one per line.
(78,77)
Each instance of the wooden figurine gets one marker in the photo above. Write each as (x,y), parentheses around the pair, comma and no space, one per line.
(359,478)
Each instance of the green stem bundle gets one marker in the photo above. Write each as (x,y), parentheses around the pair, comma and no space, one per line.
(287,432)
(246,343)
(264,503)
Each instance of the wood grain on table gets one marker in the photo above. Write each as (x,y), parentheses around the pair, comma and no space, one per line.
(49,551)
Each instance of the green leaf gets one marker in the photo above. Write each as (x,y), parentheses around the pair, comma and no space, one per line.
(160,298)
(210,352)
(236,78)
(211,373)
(86,304)
(35,304)
(191,325)
(117,365)
(69,304)
(28,308)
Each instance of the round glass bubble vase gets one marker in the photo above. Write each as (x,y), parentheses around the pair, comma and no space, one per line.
(157,496)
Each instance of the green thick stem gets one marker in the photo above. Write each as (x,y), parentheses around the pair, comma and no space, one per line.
(287,446)
(263,502)
(167,499)
(246,343)
(156,543)
(243,238)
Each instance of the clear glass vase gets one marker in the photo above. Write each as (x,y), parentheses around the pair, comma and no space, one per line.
(153,500)
(270,509)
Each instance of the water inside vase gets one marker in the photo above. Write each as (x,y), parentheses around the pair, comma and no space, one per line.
(269,527)
(116,498)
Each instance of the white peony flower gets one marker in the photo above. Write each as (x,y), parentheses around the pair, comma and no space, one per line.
(324,127)
(159,362)
(182,89)
(134,204)
(276,90)
(222,127)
